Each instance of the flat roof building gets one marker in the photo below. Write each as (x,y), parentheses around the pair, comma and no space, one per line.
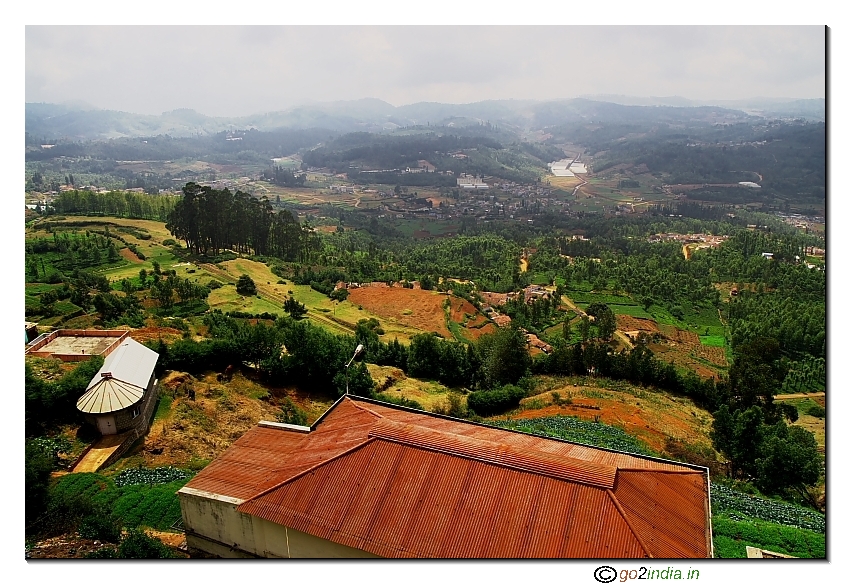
(76,345)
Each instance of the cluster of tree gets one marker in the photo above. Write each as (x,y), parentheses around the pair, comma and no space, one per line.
(50,403)
(66,252)
(132,205)
(315,358)
(210,220)
(285,177)
(536,314)
(749,428)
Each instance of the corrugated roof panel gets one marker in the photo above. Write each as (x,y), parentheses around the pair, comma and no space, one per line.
(667,510)
(373,481)
(409,490)
(493,452)
(518,504)
(464,491)
(547,532)
(474,507)
(448,486)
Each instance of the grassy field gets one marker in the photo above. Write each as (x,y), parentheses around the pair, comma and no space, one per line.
(393,382)
(731,537)
(336,317)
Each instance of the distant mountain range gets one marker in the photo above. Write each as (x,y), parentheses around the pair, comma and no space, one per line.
(77,122)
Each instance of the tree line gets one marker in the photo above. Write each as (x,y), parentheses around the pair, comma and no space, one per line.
(211,220)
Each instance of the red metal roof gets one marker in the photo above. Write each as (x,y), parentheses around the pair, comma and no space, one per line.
(399,483)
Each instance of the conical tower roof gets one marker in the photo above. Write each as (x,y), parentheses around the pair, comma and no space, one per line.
(109,395)
(121,381)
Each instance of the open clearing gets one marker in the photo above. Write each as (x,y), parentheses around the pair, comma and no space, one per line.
(392,381)
(336,317)
(415,308)
(422,309)
(187,431)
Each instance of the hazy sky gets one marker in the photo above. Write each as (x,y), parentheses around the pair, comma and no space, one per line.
(232,71)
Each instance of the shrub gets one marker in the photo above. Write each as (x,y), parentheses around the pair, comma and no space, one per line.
(102,553)
(246,286)
(139,545)
(487,403)
(99,526)
(290,413)
(817,411)
(213,284)
(402,401)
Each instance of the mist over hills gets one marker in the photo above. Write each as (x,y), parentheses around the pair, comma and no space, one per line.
(80,122)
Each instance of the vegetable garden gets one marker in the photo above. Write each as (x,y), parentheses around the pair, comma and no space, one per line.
(136,497)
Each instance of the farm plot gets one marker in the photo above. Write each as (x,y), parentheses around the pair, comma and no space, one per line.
(474,324)
(687,349)
(415,308)
(653,417)
(630,323)
(150,504)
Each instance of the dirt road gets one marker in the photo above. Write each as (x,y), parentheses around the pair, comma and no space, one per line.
(797,396)
(100,452)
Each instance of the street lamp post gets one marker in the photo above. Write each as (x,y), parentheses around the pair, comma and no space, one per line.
(357,351)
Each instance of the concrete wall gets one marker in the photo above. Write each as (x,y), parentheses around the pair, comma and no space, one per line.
(214,525)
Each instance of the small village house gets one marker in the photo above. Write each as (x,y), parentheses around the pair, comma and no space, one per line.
(122,395)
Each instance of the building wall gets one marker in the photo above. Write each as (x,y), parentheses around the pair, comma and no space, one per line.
(214,525)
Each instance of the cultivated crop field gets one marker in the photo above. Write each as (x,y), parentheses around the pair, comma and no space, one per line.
(336,317)
(147,236)
(649,415)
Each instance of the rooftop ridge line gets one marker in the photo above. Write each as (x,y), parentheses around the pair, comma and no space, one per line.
(308,470)
(660,460)
(495,453)
(622,512)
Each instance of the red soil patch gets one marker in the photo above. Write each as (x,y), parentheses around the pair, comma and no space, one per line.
(679,335)
(424,308)
(630,323)
(155,333)
(475,323)
(129,256)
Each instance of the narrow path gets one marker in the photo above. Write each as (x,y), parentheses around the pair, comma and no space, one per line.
(790,396)
(100,452)
(618,334)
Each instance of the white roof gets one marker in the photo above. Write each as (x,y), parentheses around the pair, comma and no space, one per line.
(121,381)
